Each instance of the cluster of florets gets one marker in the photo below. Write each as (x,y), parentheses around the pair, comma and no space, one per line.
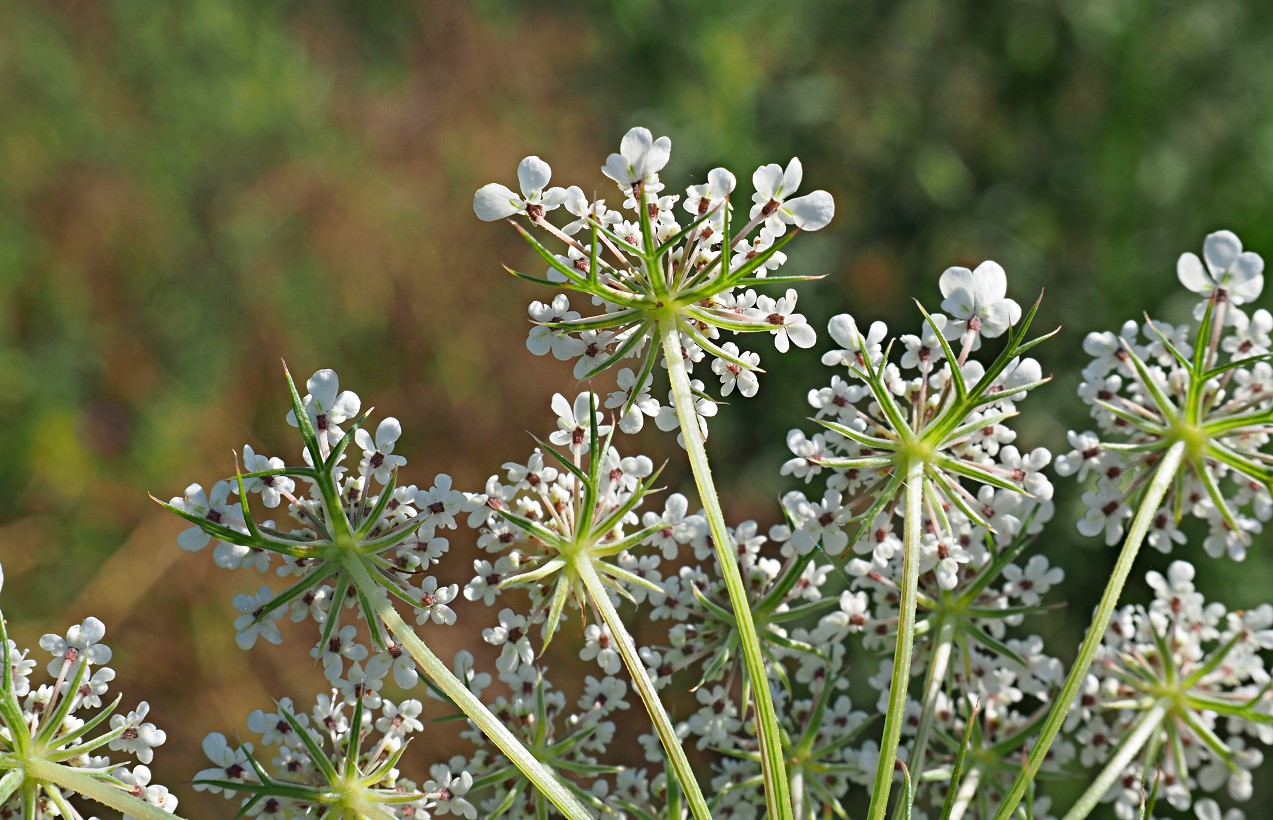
(334,514)
(1207,386)
(1186,681)
(69,724)
(327,763)
(931,403)
(644,268)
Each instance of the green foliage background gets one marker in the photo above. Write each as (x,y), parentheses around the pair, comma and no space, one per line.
(190,191)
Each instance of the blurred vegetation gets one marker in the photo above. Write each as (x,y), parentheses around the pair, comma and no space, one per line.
(189,192)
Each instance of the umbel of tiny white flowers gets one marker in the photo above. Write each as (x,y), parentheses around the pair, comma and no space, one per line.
(52,737)
(1209,396)
(329,767)
(683,285)
(1184,416)
(650,273)
(348,523)
(358,545)
(1178,697)
(902,445)
(565,529)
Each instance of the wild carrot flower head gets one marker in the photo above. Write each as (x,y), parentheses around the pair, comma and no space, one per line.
(346,513)
(649,267)
(1206,387)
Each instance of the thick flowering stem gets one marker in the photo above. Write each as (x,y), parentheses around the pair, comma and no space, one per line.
(777,795)
(438,672)
(937,666)
(1133,742)
(71,780)
(900,681)
(1149,505)
(645,688)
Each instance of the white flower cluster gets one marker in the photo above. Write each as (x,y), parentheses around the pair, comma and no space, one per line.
(400,527)
(69,724)
(1207,387)
(875,408)
(644,268)
(325,764)
(1194,678)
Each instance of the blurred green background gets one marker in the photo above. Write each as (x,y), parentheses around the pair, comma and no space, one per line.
(191,191)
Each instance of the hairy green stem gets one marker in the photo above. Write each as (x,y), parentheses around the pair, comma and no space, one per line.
(438,672)
(1133,742)
(773,763)
(69,779)
(1149,504)
(900,682)
(937,666)
(645,688)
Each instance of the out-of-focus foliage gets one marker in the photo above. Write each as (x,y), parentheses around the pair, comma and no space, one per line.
(190,191)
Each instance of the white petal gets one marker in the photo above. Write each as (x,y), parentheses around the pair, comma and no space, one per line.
(990,282)
(957,286)
(812,211)
(844,331)
(802,335)
(657,157)
(1190,273)
(561,406)
(363,439)
(1221,249)
(635,144)
(721,182)
(387,434)
(791,178)
(494,201)
(323,386)
(767,179)
(533,174)
(346,406)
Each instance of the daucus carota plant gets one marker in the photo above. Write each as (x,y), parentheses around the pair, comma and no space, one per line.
(904,563)
(64,741)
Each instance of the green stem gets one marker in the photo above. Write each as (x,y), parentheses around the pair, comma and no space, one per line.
(1149,505)
(899,685)
(777,796)
(438,672)
(937,666)
(1133,742)
(963,797)
(645,687)
(91,787)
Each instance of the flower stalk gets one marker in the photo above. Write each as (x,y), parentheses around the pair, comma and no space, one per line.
(777,793)
(899,684)
(645,688)
(1149,505)
(1133,742)
(438,672)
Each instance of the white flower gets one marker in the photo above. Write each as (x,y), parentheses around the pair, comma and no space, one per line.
(789,327)
(736,375)
(599,645)
(82,643)
(378,460)
(640,157)
(248,627)
(1228,268)
(573,425)
(560,343)
(495,201)
(773,200)
(327,406)
(138,738)
(977,300)
(215,507)
(271,487)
